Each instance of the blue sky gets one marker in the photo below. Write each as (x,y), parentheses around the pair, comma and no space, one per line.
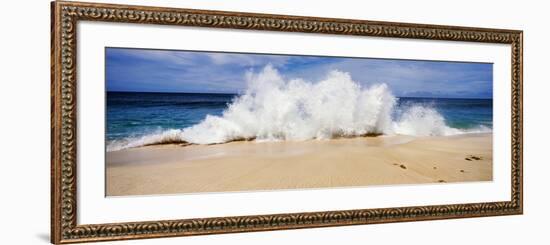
(146,70)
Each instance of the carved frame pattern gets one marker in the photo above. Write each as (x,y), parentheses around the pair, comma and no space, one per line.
(65,15)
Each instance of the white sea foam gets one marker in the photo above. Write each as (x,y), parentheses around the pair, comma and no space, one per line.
(273,108)
(164,137)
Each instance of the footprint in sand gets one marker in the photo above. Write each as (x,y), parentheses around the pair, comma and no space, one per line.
(400,165)
(472,157)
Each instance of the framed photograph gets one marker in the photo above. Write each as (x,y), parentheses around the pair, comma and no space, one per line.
(175,122)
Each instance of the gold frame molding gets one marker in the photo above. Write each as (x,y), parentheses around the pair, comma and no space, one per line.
(66,15)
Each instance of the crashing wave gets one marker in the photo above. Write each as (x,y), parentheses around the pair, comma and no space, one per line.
(274,109)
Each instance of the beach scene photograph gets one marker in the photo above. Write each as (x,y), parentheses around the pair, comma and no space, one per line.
(183,121)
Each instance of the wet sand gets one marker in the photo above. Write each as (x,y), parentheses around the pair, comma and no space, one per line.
(251,166)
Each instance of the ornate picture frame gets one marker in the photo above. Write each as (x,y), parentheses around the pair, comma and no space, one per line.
(64,187)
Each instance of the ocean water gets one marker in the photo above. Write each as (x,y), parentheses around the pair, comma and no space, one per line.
(273,108)
(459,113)
(134,115)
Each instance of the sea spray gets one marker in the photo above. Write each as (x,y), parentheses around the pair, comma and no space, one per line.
(274,108)
(423,121)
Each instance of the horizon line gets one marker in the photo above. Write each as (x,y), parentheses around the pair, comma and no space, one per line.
(236,93)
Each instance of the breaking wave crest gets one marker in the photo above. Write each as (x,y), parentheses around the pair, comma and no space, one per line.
(273,109)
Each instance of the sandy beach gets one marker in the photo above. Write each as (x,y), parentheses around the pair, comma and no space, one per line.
(346,162)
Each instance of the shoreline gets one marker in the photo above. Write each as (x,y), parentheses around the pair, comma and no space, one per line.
(341,162)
